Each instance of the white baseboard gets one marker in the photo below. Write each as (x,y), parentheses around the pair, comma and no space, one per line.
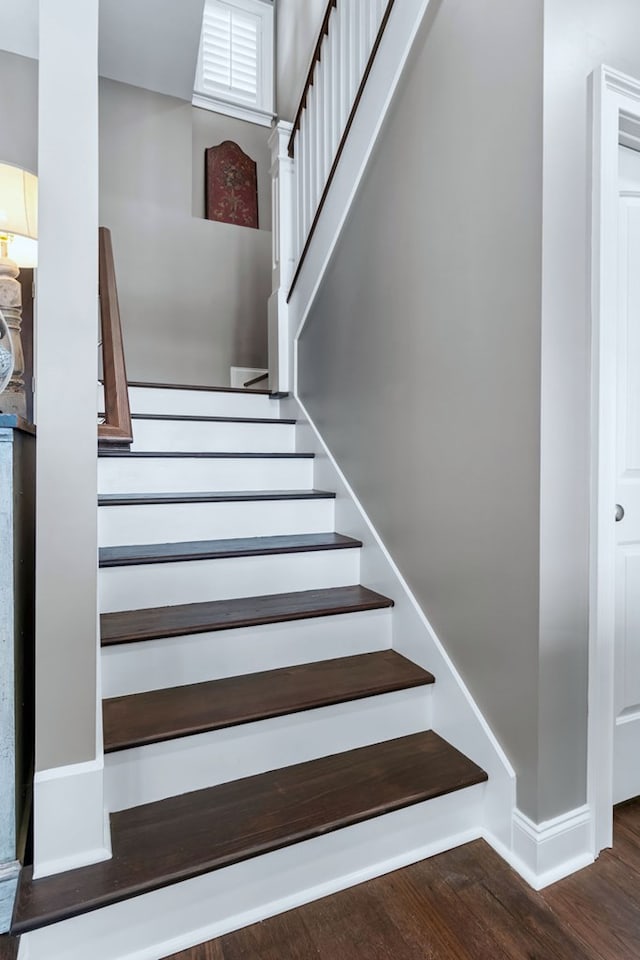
(70,826)
(178,917)
(543,853)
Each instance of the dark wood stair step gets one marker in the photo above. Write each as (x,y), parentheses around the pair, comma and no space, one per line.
(223,496)
(201,455)
(192,418)
(131,555)
(192,386)
(161,843)
(143,718)
(131,626)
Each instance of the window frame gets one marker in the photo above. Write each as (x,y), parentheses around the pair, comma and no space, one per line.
(262,112)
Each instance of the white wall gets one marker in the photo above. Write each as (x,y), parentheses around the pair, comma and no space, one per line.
(297,29)
(193,293)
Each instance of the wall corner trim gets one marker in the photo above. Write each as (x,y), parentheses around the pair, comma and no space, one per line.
(70,826)
(543,853)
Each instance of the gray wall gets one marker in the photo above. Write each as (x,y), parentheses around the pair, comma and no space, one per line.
(193,293)
(421,359)
(297,29)
(19,111)
(579,35)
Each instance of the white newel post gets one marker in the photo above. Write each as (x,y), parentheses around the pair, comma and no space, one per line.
(282,180)
(69,823)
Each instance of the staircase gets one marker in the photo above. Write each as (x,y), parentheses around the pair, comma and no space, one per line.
(264,744)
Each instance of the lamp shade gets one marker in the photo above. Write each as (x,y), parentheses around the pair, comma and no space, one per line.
(19,213)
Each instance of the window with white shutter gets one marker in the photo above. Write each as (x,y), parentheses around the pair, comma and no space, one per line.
(235,63)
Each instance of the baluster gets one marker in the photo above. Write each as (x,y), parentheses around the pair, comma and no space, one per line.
(336,81)
(344,14)
(327,99)
(319,122)
(299,193)
(312,151)
(365,36)
(354,52)
(303,212)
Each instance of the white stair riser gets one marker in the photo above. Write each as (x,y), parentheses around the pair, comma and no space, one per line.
(195,581)
(203,435)
(202,403)
(180,916)
(174,522)
(200,475)
(173,661)
(145,774)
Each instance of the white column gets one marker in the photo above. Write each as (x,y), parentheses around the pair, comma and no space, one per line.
(283,180)
(69,816)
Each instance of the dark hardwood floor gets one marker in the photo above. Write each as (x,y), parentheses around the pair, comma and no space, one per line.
(463,905)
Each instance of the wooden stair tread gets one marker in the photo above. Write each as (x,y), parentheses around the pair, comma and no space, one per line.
(196,386)
(193,418)
(132,554)
(143,718)
(130,626)
(202,454)
(161,843)
(223,496)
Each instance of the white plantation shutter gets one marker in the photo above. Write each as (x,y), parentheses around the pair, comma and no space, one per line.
(232,64)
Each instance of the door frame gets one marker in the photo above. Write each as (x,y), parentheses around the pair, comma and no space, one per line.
(613,95)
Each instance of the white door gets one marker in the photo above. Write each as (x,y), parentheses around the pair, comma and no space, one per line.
(626,770)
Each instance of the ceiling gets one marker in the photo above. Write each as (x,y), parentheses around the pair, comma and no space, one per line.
(148,43)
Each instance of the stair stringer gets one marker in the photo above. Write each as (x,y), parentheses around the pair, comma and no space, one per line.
(456,716)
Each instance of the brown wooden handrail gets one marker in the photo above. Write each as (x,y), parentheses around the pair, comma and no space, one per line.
(116,428)
(317,55)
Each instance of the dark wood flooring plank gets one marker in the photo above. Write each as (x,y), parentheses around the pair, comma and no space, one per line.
(133,554)
(130,626)
(601,907)
(144,718)
(626,850)
(205,951)
(627,815)
(161,843)
(271,941)
(352,925)
(9,947)
(224,496)
(426,916)
(501,901)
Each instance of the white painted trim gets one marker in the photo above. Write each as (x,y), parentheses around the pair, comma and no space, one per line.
(612,93)
(249,114)
(70,827)
(180,916)
(238,376)
(455,714)
(543,853)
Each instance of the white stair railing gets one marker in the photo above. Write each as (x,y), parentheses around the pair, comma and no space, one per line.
(305,154)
